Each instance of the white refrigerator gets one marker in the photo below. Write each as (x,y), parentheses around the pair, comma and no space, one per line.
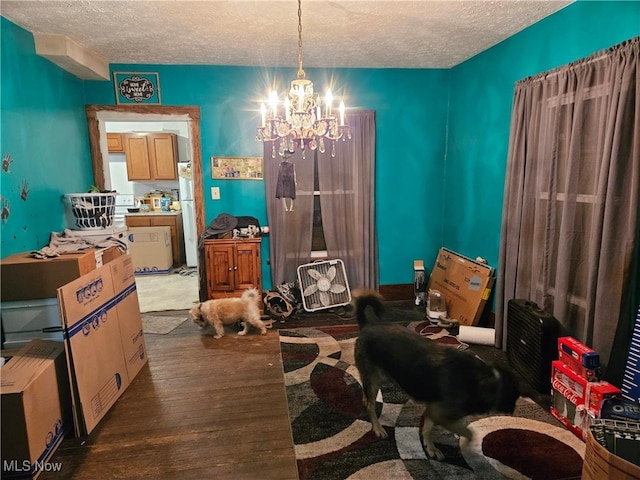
(188,213)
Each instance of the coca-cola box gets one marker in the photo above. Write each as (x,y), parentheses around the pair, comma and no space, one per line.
(574,399)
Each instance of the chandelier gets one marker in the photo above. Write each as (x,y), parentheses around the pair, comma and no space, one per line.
(301,120)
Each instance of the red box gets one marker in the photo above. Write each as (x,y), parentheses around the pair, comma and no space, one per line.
(574,400)
(577,356)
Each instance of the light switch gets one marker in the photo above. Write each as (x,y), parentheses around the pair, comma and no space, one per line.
(215,193)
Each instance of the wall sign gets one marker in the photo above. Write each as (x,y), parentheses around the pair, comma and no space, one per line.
(136,88)
(236,168)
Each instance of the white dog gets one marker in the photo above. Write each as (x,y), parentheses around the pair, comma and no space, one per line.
(226,311)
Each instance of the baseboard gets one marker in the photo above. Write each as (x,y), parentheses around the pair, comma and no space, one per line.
(397,292)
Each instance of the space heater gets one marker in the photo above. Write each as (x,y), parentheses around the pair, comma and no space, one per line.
(323,285)
(532,342)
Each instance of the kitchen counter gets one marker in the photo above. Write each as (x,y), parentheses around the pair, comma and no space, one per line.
(147,214)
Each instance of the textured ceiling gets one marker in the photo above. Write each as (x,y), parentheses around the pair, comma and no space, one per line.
(349,33)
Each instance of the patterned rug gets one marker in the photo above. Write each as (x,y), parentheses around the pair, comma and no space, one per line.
(333,438)
(161,325)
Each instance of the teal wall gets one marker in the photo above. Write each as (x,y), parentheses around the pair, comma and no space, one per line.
(411,108)
(441,134)
(44,130)
(482,91)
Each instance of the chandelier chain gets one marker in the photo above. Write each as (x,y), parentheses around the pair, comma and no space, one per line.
(301,73)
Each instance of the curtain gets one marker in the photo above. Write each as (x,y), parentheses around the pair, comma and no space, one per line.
(347,201)
(347,197)
(570,216)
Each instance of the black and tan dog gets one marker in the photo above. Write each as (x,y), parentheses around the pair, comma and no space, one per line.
(451,383)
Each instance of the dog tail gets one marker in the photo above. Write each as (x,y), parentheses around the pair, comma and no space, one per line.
(250,294)
(364,299)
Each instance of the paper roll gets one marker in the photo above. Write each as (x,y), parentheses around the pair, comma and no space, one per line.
(477,335)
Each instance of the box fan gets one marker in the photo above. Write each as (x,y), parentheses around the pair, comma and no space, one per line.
(323,285)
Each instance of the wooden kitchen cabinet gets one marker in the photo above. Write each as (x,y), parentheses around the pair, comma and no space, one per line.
(174,222)
(115,143)
(151,156)
(232,266)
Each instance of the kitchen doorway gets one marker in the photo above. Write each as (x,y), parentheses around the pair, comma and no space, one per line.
(97,116)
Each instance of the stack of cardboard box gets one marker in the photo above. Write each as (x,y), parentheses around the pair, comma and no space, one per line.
(28,291)
(51,387)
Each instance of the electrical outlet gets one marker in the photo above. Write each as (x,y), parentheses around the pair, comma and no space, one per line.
(215,193)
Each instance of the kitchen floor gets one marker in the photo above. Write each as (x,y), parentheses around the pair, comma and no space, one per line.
(177,290)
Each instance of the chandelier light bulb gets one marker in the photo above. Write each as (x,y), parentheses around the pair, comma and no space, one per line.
(273,101)
(328,100)
(263,112)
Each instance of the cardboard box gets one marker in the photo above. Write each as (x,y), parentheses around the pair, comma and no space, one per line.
(26,278)
(574,400)
(104,343)
(129,320)
(600,464)
(151,250)
(36,408)
(465,283)
(580,358)
(26,320)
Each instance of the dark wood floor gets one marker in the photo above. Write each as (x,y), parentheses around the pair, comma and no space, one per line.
(201,409)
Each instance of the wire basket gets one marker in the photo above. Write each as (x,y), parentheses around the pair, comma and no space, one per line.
(92,211)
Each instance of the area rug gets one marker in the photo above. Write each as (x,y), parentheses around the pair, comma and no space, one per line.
(159,325)
(174,291)
(333,438)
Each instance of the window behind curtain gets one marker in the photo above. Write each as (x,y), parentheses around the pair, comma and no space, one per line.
(567,200)
(569,238)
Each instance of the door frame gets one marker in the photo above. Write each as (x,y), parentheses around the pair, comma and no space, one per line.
(98,114)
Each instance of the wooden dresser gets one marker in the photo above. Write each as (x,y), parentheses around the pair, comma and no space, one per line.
(232,266)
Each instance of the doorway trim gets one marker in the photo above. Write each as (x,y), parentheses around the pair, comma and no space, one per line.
(98,114)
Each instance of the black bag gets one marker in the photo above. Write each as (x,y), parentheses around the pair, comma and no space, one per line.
(245,221)
(249,226)
(276,305)
(284,301)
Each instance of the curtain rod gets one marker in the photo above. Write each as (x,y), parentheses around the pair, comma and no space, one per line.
(594,57)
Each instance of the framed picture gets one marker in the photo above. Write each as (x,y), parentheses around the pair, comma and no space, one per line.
(237,168)
(136,88)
